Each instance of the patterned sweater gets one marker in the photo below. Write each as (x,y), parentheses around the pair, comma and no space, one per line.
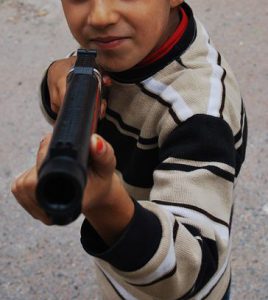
(178,128)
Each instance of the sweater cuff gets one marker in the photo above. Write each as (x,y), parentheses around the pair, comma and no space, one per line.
(134,248)
(45,104)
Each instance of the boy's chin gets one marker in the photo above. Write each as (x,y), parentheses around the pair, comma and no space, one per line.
(115,67)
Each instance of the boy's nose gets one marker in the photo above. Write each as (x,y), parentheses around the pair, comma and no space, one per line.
(102,14)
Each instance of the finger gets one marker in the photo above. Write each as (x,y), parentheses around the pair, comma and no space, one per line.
(43,147)
(54,99)
(32,208)
(56,80)
(103,108)
(37,212)
(72,60)
(57,95)
(103,158)
(61,90)
(31,204)
(15,184)
(23,189)
(107,81)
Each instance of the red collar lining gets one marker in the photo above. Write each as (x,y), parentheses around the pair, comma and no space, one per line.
(169,44)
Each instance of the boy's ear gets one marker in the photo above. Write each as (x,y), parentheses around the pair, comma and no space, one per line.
(175,3)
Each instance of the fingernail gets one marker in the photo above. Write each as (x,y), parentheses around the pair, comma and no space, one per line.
(99,145)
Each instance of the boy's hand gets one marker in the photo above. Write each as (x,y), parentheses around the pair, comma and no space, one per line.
(56,81)
(99,178)
(106,204)
(23,188)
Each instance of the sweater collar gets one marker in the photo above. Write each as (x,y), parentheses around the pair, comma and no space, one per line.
(172,49)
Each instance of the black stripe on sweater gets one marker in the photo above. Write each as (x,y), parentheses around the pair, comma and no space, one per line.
(136,165)
(123,125)
(175,230)
(241,151)
(214,286)
(201,138)
(209,262)
(160,100)
(223,87)
(169,273)
(130,129)
(238,136)
(193,208)
(231,218)
(186,168)
(180,62)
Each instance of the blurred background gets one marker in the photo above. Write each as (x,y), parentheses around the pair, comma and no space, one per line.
(37,262)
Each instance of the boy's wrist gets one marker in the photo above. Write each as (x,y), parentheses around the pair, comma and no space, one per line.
(114,213)
(133,248)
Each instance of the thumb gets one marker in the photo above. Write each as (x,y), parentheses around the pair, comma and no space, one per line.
(103,158)
(42,151)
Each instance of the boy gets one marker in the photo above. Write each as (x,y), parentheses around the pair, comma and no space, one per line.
(175,130)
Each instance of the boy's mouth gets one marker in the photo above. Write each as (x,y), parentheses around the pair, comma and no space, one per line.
(109,42)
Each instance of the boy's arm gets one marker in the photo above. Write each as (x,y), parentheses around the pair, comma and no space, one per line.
(178,242)
(106,204)
(53,87)
(192,199)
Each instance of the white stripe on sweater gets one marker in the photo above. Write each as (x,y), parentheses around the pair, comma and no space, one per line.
(221,230)
(118,287)
(171,96)
(216,88)
(167,265)
(200,164)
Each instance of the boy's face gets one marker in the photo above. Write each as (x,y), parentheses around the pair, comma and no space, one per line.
(122,31)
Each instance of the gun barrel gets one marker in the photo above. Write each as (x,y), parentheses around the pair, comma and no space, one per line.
(63,175)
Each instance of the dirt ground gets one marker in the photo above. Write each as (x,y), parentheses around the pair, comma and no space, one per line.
(43,263)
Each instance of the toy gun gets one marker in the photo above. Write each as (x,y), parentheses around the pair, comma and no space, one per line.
(63,174)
